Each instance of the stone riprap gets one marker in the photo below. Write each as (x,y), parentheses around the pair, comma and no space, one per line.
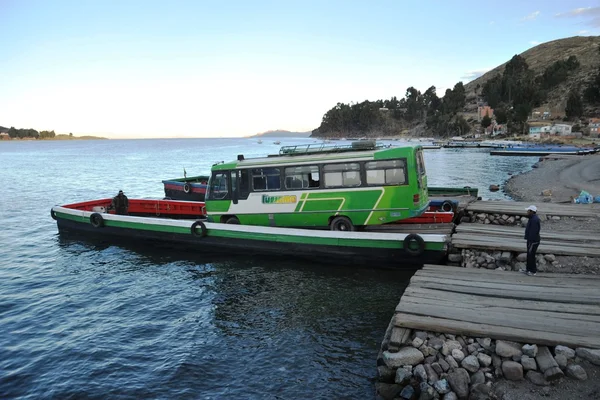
(500,260)
(445,366)
(502,219)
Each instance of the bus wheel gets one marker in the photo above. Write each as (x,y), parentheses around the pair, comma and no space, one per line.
(232,220)
(414,244)
(341,224)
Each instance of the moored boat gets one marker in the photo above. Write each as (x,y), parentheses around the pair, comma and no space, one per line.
(542,150)
(189,189)
(181,224)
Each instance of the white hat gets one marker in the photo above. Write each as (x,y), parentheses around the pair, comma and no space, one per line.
(532,208)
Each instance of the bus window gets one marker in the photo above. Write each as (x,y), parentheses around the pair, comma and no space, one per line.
(266,179)
(390,172)
(420,163)
(301,177)
(336,175)
(219,188)
(244,183)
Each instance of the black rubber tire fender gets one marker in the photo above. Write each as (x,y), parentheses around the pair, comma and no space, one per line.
(413,238)
(187,188)
(447,206)
(197,224)
(53,214)
(97,220)
(341,223)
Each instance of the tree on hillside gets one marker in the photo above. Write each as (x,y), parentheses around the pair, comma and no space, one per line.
(592,93)
(574,107)
(486,121)
(501,115)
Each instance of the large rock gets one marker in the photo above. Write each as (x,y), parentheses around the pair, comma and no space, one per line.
(451,396)
(442,386)
(536,378)
(427,392)
(432,376)
(477,377)
(512,370)
(458,355)
(577,372)
(459,382)
(565,351)
(547,364)
(480,391)
(561,360)
(417,342)
(470,363)
(420,373)
(522,257)
(402,376)
(529,350)
(591,355)
(450,345)
(387,391)
(436,343)
(484,360)
(528,363)
(508,349)
(452,362)
(405,356)
(407,393)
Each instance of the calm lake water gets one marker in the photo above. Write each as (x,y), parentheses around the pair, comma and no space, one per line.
(82,319)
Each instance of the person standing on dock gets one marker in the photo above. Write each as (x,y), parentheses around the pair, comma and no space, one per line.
(532,235)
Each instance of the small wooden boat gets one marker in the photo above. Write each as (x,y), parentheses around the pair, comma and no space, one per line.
(439,191)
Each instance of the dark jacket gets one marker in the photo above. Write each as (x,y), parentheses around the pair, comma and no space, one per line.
(120,204)
(532,231)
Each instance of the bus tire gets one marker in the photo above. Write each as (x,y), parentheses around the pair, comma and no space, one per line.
(341,224)
(53,214)
(232,220)
(447,206)
(409,244)
(96,220)
(187,188)
(202,229)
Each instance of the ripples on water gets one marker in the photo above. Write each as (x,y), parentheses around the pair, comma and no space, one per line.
(84,319)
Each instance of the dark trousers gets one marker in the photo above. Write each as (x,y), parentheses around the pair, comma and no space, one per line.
(531,250)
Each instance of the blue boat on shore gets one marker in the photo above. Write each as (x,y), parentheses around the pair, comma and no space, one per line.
(542,150)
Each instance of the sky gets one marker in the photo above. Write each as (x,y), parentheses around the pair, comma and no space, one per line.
(160,69)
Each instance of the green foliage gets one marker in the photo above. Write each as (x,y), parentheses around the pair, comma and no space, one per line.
(574,107)
(47,135)
(23,133)
(501,114)
(592,93)
(557,72)
(486,121)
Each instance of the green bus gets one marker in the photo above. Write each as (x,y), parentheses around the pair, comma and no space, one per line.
(318,186)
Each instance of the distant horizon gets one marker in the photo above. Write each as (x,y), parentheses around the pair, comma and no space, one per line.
(144,69)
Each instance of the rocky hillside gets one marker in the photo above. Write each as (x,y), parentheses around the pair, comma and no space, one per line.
(587,51)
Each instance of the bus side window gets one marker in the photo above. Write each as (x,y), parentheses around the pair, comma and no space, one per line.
(390,172)
(342,175)
(266,179)
(244,183)
(301,177)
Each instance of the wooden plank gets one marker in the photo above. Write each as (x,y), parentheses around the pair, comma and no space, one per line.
(528,289)
(519,208)
(549,296)
(443,325)
(515,279)
(451,270)
(503,245)
(509,320)
(530,304)
(488,237)
(475,309)
(498,230)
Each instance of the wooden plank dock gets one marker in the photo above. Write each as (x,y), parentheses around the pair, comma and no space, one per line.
(520,208)
(510,238)
(548,309)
